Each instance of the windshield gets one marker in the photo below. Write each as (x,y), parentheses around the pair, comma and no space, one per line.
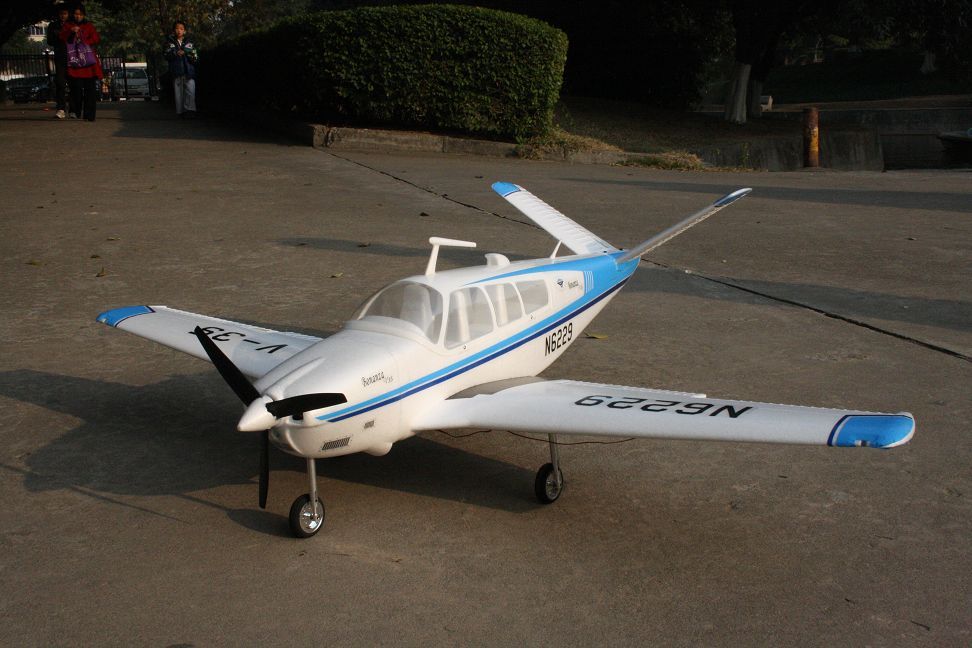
(412,303)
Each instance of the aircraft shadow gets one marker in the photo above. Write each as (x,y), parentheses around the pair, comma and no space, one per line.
(448,257)
(863,305)
(177,437)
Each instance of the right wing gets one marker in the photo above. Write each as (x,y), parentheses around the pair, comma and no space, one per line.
(255,350)
(568,407)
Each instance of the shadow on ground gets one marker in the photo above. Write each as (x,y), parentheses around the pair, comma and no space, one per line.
(865,305)
(177,437)
(910,200)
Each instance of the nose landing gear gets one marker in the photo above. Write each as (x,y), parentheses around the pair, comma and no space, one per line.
(307,511)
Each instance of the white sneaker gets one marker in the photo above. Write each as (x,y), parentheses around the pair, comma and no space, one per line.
(60,114)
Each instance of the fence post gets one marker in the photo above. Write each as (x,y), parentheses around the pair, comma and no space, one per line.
(811,138)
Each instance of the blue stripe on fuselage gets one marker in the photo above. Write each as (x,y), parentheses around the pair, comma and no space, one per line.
(606,266)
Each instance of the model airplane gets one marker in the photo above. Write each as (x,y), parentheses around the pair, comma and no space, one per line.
(462,348)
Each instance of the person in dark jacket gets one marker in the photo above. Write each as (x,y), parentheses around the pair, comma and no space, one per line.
(83,80)
(60,57)
(181,55)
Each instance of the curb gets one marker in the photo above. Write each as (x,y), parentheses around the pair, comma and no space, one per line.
(375,139)
(772,155)
(341,138)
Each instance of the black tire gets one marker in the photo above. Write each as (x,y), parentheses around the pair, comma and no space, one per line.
(545,486)
(298,524)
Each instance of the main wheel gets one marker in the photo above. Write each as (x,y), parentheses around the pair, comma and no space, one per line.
(303,522)
(547,486)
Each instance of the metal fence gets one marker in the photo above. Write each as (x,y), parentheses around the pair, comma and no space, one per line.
(118,83)
(20,65)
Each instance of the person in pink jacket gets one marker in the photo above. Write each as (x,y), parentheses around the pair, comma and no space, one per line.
(83,75)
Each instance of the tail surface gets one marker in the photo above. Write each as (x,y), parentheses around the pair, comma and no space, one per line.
(579,239)
(678,228)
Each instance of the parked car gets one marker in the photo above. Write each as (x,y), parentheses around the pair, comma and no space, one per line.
(130,83)
(25,89)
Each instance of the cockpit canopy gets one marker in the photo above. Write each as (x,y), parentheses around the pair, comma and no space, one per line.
(473,311)
(409,302)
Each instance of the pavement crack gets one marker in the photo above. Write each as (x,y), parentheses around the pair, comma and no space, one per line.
(444,196)
(825,313)
(721,282)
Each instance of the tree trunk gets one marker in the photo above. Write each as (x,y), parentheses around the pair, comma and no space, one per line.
(928,64)
(736,100)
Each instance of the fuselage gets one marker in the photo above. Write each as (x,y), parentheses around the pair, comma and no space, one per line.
(425,338)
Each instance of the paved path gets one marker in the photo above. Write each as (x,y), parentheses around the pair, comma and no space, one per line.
(130,513)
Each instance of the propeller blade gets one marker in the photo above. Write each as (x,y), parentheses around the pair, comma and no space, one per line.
(264,468)
(304,403)
(230,373)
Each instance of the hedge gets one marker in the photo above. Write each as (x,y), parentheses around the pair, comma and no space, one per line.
(438,67)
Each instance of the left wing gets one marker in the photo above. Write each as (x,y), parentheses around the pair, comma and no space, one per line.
(568,407)
(254,349)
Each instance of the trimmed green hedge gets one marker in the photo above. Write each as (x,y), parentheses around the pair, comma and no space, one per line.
(439,67)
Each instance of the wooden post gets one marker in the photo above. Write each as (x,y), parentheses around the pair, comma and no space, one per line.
(811,138)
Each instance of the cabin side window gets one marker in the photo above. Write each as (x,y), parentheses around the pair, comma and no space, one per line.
(506,303)
(534,293)
(469,316)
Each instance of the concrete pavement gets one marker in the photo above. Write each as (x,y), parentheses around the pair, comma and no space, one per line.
(130,512)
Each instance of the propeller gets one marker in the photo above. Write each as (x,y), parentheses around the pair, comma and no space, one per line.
(262,411)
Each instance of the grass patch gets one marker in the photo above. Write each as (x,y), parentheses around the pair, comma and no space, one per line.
(642,129)
(560,143)
(673,160)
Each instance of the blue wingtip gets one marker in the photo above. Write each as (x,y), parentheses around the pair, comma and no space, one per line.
(118,315)
(733,197)
(505,188)
(873,430)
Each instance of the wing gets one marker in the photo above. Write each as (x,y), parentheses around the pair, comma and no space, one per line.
(253,349)
(567,407)
(576,237)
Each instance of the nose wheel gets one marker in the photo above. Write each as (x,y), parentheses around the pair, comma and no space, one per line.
(549,483)
(307,511)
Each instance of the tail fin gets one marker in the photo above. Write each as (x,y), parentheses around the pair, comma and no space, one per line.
(680,227)
(562,228)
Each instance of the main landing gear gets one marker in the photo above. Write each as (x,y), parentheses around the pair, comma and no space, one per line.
(307,511)
(549,483)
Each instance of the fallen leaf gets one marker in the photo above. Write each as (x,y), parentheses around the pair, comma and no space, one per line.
(95,256)
(337,275)
(101,273)
(595,336)
(34,262)
(423,214)
(364,244)
(113,238)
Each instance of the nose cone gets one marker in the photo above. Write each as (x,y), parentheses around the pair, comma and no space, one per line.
(257,418)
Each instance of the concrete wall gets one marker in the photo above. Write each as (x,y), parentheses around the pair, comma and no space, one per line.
(839,149)
(908,136)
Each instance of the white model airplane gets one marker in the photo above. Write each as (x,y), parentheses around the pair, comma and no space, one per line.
(462,348)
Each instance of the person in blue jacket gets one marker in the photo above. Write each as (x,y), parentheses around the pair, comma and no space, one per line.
(181,55)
